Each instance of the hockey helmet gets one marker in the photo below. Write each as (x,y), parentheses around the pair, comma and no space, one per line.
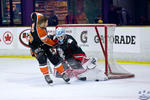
(60,33)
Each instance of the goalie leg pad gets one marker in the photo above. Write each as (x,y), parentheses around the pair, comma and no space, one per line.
(74,64)
(94,74)
(90,63)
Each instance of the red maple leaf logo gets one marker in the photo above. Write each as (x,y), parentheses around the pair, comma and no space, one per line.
(8,37)
(24,35)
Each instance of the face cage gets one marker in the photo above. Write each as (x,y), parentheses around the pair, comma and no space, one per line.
(60,38)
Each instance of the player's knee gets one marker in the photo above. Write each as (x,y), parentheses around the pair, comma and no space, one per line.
(55,60)
(42,58)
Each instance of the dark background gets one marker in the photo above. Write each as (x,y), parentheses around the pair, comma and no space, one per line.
(17,12)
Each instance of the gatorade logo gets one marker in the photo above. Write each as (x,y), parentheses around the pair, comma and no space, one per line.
(83,37)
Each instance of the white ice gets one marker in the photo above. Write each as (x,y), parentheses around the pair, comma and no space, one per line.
(21,79)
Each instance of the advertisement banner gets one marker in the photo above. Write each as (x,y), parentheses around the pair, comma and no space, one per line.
(127,39)
(7,38)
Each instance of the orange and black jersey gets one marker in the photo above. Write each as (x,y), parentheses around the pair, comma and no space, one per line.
(38,36)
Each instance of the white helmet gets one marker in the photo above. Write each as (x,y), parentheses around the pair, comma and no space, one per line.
(60,33)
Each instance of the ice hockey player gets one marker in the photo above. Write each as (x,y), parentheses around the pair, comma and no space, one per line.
(76,57)
(41,43)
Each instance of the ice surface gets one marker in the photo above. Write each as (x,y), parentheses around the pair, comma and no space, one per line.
(21,79)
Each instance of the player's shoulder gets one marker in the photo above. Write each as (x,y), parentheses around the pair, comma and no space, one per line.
(69,38)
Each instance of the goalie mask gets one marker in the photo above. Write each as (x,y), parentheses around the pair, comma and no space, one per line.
(60,34)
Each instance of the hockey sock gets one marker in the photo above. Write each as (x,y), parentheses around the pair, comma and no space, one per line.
(44,69)
(59,68)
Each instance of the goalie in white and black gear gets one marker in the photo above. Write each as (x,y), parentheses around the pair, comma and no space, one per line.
(76,58)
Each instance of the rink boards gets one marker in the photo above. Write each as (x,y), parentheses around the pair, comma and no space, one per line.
(130,44)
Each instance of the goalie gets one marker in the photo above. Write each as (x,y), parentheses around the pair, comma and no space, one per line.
(68,49)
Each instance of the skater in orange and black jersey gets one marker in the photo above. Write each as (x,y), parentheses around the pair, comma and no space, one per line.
(41,46)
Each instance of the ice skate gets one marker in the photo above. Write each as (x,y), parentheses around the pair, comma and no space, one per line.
(48,79)
(65,77)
